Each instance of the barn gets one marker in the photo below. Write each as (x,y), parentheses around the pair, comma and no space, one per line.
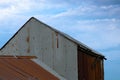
(58,55)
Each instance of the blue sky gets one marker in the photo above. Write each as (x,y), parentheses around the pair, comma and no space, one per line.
(95,23)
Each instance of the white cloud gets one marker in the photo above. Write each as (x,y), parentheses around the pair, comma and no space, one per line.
(96,33)
(9,9)
(95,27)
(13,8)
(14,11)
(81,10)
(92,11)
(99,34)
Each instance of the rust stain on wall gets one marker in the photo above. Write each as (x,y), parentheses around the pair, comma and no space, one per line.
(57,40)
(28,40)
(12,45)
(53,40)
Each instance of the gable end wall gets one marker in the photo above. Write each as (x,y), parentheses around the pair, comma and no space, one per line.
(57,52)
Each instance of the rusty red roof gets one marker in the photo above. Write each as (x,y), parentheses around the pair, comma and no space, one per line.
(22,68)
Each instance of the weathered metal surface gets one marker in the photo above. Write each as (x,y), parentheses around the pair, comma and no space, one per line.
(89,67)
(53,49)
(12,68)
(56,50)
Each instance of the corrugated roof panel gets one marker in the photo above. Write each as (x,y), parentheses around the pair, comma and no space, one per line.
(22,69)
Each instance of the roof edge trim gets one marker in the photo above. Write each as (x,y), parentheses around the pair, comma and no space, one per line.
(17,57)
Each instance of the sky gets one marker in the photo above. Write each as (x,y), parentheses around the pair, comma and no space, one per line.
(95,23)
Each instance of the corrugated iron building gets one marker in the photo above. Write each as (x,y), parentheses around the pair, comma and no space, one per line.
(67,57)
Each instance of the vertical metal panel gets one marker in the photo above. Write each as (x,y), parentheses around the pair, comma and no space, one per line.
(89,67)
(66,58)
(71,61)
(80,65)
(41,43)
(99,70)
(51,48)
(102,68)
(83,65)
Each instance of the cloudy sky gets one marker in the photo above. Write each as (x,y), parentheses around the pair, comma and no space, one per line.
(95,23)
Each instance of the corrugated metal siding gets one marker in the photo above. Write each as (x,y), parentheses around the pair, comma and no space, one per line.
(56,50)
(66,58)
(22,69)
(89,67)
(53,49)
